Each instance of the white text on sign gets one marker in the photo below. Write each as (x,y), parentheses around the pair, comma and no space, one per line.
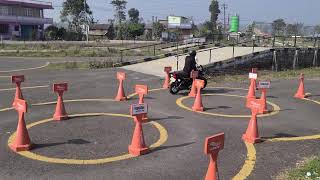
(138,109)
(253,76)
(264,85)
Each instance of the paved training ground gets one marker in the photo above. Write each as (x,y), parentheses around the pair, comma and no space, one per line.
(93,144)
(156,67)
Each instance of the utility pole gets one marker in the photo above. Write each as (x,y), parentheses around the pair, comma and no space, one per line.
(86,25)
(224,6)
(152,28)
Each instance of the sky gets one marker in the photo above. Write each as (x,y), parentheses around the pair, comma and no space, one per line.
(292,11)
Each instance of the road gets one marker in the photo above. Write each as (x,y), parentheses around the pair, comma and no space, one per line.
(156,67)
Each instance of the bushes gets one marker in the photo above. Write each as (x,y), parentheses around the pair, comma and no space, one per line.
(100,64)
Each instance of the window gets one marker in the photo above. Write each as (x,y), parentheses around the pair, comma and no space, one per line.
(4,28)
(4,10)
(29,12)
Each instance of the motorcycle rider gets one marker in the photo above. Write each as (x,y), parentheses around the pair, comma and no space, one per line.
(190,64)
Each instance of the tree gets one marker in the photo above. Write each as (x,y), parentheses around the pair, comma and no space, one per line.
(120,7)
(278,27)
(134,15)
(295,29)
(215,11)
(111,34)
(75,12)
(317,29)
(250,30)
(135,30)
(61,33)
(158,29)
(51,32)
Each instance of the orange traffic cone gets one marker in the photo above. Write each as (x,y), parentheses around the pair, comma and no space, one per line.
(138,146)
(212,169)
(141,101)
(60,113)
(251,92)
(193,91)
(252,89)
(263,101)
(18,94)
(22,141)
(198,106)
(121,96)
(166,83)
(301,93)
(252,134)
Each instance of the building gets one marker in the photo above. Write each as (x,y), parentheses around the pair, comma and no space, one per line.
(98,31)
(176,28)
(23,19)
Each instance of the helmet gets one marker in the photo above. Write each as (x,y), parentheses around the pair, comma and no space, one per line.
(192,52)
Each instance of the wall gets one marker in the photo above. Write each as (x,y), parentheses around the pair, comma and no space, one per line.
(265,61)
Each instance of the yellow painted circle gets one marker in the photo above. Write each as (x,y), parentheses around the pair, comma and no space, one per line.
(276,108)
(31,155)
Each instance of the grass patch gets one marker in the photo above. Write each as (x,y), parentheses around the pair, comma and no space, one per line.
(267,75)
(81,65)
(307,169)
(68,65)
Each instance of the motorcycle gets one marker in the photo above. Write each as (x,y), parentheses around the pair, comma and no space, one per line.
(178,82)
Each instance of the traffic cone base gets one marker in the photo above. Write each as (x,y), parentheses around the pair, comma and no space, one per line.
(121,98)
(300,96)
(197,109)
(18,148)
(252,133)
(251,140)
(121,95)
(60,118)
(137,151)
(60,113)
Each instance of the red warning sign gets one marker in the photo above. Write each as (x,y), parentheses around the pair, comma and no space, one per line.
(254,105)
(121,75)
(61,87)
(168,69)
(199,83)
(141,89)
(214,144)
(17,79)
(194,74)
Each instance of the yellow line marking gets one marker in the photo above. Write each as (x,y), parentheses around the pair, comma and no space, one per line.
(33,87)
(301,138)
(28,154)
(276,108)
(65,101)
(311,100)
(6,109)
(5,76)
(249,164)
(151,90)
(228,88)
(26,69)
